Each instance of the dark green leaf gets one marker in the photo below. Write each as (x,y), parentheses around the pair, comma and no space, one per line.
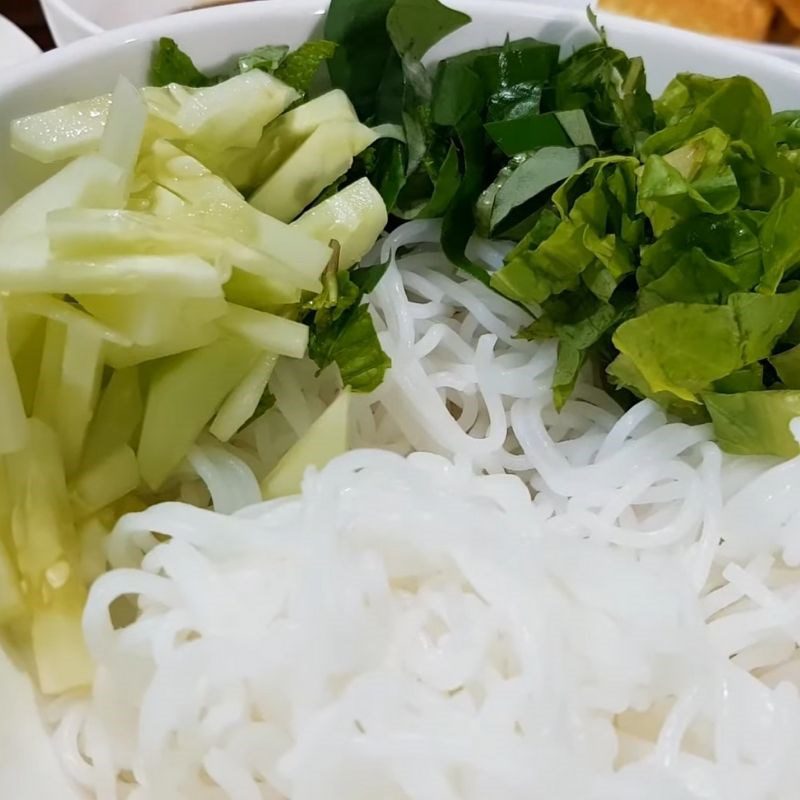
(459,221)
(751,423)
(367,278)
(610,88)
(171,65)
(555,129)
(515,101)
(352,344)
(360,63)
(415,26)
(541,173)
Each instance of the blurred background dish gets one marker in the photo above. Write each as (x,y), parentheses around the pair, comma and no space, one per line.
(774,24)
(71,20)
(15,45)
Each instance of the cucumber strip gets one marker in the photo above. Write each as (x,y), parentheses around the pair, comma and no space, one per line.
(185,393)
(45,404)
(65,132)
(105,482)
(322,158)
(178,276)
(354,217)
(278,335)
(89,181)
(122,357)
(117,417)
(81,370)
(327,438)
(242,402)
(13,422)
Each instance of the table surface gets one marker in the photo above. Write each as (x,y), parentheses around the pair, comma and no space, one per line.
(27,14)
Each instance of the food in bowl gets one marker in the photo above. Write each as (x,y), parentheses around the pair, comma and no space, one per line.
(429,433)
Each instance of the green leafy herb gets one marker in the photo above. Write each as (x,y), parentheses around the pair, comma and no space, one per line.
(611,88)
(171,65)
(415,26)
(532,132)
(267,58)
(298,68)
(593,247)
(342,330)
(364,53)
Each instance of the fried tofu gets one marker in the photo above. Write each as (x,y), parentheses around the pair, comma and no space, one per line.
(740,19)
(791,8)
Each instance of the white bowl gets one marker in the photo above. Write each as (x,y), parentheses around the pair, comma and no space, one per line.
(70,20)
(213,35)
(15,45)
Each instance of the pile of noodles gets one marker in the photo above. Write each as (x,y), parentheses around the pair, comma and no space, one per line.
(485,599)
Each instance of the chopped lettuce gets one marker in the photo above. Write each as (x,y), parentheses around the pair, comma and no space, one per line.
(755,422)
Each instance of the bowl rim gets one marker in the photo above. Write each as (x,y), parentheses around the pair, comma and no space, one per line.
(18,41)
(83,50)
(63,8)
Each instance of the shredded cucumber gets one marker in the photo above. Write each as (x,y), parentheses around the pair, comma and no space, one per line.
(45,542)
(122,136)
(327,438)
(242,402)
(79,385)
(185,393)
(230,114)
(106,481)
(269,332)
(145,303)
(322,158)
(13,423)
(64,132)
(354,217)
(90,181)
(247,168)
(117,417)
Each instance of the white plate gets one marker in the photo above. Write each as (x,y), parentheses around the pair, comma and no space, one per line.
(15,46)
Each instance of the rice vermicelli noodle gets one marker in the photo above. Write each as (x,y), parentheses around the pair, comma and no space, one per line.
(485,599)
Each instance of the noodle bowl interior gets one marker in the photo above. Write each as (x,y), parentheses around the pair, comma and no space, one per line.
(345,518)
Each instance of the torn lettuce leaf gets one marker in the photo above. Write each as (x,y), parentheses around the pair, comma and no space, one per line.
(595,244)
(694,179)
(702,260)
(579,324)
(681,349)
(749,423)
